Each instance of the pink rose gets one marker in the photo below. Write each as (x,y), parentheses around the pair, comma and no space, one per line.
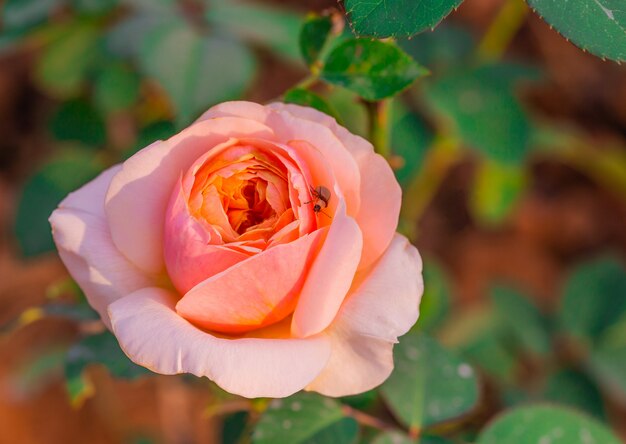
(256,247)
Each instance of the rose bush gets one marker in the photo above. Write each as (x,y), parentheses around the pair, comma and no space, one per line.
(205,253)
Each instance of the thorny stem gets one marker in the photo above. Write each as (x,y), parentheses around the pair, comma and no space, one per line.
(502,30)
(379,135)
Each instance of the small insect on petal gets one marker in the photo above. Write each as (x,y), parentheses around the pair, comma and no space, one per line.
(321,195)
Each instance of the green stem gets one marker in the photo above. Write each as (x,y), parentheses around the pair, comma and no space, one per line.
(502,30)
(307,82)
(380,136)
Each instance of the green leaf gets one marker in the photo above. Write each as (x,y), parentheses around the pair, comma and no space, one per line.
(94,6)
(75,312)
(434,440)
(101,349)
(163,7)
(196,71)
(313,36)
(607,364)
(26,13)
(344,431)
(593,298)
(492,355)
(272,27)
(362,401)
(350,110)
(481,107)
(597,26)
(575,389)
(161,130)
(478,335)
(62,68)
(233,427)
(305,418)
(410,139)
(124,39)
(497,188)
(394,437)
(371,68)
(435,303)
(304,97)
(116,88)
(542,424)
(396,18)
(429,384)
(42,193)
(77,120)
(446,47)
(523,319)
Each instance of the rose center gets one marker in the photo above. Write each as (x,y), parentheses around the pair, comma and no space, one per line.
(248,208)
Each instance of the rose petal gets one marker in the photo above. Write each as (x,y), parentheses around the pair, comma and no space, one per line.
(81,234)
(254,293)
(137,198)
(191,255)
(380,193)
(357,364)
(381,198)
(91,196)
(153,335)
(236,108)
(289,127)
(384,305)
(330,276)
(353,143)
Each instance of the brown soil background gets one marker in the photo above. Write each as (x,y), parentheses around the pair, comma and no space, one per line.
(563,218)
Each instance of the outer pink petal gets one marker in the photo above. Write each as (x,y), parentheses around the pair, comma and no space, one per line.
(383,306)
(91,196)
(82,237)
(354,144)
(357,364)
(238,108)
(381,197)
(330,277)
(380,192)
(138,196)
(256,292)
(291,126)
(153,335)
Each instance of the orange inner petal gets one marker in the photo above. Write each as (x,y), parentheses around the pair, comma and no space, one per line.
(245,194)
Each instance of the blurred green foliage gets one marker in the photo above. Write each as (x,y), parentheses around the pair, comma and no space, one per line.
(70,168)
(534,424)
(305,418)
(156,65)
(421,396)
(597,27)
(103,349)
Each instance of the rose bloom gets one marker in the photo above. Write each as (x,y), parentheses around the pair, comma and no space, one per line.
(257,248)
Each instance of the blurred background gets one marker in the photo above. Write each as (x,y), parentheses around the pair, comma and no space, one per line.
(511,154)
